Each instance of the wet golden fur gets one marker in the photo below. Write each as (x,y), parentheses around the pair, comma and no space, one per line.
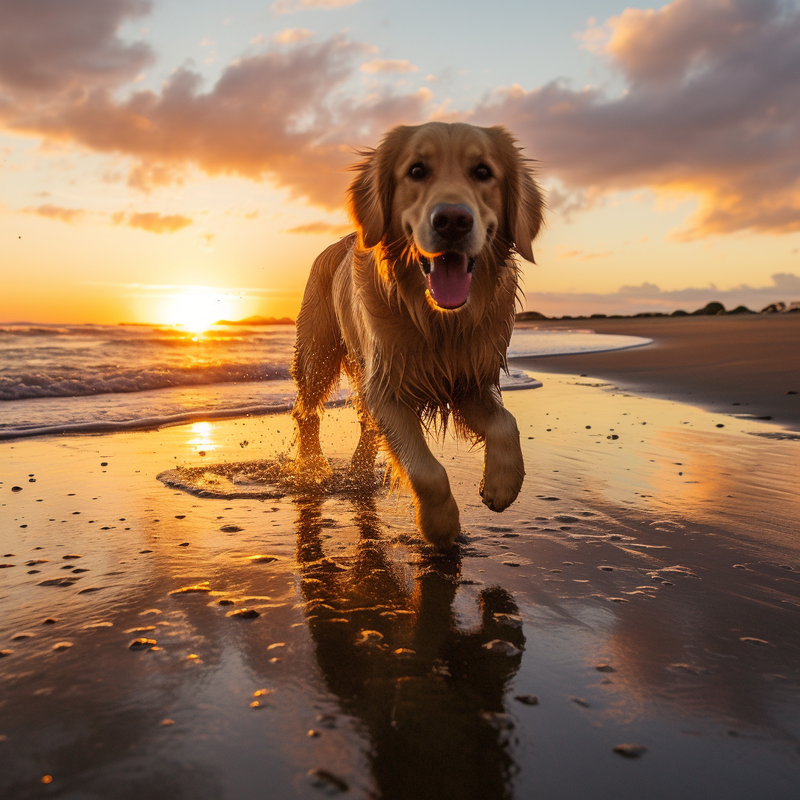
(367,309)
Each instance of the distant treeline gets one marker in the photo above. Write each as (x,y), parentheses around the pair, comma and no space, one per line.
(709,310)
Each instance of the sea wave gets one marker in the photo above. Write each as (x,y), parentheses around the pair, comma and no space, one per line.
(116,380)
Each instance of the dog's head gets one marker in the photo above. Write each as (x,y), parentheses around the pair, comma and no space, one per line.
(447,194)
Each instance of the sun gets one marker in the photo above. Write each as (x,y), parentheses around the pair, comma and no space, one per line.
(198,308)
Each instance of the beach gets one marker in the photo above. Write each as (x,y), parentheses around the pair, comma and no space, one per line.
(177,620)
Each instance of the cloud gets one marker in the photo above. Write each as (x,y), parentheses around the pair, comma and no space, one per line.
(582,255)
(647,297)
(153,222)
(711,109)
(388,65)
(53,46)
(279,115)
(320,227)
(290,6)
(57,212)
(292,35)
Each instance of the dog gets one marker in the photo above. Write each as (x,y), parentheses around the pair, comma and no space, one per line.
(417,306)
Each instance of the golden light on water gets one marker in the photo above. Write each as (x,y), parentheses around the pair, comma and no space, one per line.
(198,308)
(202,437)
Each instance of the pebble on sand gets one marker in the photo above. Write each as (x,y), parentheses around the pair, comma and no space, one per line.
(60,646)
(245,613)
(579,701)
(527,699)
(502,647)
(630,750)
(604,668)
(755,641)
(329,783)
(369,637)
(142,644)
(231,529)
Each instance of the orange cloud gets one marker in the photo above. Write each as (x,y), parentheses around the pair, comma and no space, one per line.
(57,212)
(292,35)
(320,227)
(154,222)
(582,255)
(388,65)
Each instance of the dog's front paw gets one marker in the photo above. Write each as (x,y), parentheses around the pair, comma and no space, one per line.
(499,489)
(439,523)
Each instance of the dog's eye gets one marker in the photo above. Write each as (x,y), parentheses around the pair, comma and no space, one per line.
(417,171)
(482,172)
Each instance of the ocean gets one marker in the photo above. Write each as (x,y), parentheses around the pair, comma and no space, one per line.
(94,378)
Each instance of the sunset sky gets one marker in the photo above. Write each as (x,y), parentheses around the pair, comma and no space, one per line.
(156,154)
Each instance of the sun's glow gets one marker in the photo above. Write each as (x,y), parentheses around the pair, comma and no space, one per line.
(198,308)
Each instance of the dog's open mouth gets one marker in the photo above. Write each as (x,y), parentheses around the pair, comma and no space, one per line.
(449,276)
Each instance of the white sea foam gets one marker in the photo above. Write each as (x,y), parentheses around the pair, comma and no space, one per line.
(96,378)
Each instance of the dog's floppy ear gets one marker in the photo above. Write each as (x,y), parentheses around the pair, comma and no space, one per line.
(371,192)
(529,212)
(524,201)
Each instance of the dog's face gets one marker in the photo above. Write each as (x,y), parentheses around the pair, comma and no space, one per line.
(447,194)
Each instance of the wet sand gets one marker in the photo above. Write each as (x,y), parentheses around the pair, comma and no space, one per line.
(644,590)
(747,365)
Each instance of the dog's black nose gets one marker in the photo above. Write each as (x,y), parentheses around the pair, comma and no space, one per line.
(451,220)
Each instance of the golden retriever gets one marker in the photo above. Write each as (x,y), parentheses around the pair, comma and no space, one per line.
(418,307)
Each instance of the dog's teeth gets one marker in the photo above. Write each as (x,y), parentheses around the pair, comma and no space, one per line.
(426,266)
(471,265)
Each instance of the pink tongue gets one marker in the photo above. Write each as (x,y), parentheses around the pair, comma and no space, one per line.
(449,279)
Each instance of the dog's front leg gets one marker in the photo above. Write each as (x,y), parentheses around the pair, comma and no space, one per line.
(504,469)
(436,509)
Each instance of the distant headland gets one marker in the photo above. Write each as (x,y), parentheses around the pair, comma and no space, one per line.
(709,310)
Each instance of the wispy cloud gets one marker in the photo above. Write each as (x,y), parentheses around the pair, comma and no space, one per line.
(152,222)
(320,227)
(290,6)
(57,212)
(388,65)
(582,255)
(293,35)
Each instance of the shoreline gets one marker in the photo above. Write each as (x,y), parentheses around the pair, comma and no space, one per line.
(738,365)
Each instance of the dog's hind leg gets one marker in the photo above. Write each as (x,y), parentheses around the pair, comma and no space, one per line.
(362,465)
(318,355)
(503,470)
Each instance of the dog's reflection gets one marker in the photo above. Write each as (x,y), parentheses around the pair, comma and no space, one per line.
(431,696)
